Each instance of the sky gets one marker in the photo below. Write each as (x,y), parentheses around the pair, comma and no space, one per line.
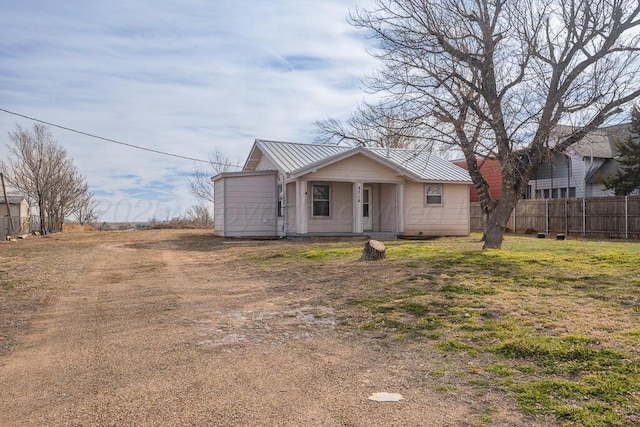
(184,77)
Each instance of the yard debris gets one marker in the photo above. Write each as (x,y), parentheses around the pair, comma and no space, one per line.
(386,397)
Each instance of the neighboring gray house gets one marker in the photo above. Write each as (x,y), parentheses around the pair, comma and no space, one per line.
(288,189)
(578,172)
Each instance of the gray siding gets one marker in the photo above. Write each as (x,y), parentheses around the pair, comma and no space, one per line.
(249,204)
(388,207)
(218,208)
(340,219)
(356,168)
(451,218)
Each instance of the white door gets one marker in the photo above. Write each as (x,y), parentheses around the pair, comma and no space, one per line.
(367,223)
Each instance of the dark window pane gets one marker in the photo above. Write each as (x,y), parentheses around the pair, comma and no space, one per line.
(434,200)
(365,210)
(321,208)
(320,192)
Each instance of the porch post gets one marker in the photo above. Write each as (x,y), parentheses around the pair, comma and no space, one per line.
(358,224)
(301,207)
(400,208)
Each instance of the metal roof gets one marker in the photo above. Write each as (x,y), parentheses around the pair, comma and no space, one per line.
(420,164)
(291,156)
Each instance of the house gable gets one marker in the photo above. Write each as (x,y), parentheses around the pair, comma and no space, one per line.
(356,167)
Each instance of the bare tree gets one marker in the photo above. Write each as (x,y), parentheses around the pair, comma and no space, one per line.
(200,183)
(379,125)
(87,210)
(40,168)
(200,216)
(495,77)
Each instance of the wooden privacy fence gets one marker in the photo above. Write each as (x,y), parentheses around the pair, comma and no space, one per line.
(614,217)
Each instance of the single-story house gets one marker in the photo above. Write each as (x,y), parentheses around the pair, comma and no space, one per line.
(289,189)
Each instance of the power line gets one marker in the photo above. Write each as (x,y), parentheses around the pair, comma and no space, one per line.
(164,153)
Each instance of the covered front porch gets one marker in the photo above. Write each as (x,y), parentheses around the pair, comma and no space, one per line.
(318,207)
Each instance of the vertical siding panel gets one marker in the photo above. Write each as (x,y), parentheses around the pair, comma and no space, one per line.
(218,207)
(388,208)
(249,205)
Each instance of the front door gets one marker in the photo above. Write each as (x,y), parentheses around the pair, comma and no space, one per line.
(367,223)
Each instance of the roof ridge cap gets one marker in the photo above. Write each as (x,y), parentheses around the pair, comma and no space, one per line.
(312,144)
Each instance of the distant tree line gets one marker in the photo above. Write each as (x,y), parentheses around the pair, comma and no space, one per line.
(40,168)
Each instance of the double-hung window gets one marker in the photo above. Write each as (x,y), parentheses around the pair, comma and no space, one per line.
(321,194)
(432,194)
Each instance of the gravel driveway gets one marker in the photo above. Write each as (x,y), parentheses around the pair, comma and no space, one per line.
(159,329)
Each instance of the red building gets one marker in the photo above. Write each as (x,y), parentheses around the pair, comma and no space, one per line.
(492,173)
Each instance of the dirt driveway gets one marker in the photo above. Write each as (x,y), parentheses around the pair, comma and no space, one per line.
(176,328)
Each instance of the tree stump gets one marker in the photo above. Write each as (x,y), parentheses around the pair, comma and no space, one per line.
(373,251)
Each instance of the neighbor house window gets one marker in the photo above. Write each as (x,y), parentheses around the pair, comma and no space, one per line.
(321,199)
(433,194)
(280,197)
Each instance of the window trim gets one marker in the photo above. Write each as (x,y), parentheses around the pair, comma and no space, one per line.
(328,200)
(440,187)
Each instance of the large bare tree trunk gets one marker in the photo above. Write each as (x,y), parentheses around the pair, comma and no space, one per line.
(494,230)
(497,218)
(499,78)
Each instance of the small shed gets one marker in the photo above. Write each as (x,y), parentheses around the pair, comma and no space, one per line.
(19,219)
(245,204)
(18,204)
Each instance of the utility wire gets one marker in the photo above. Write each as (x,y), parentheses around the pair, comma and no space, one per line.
(164,153)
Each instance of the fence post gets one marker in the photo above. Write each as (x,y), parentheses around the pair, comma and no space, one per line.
(584,217)
(546,215)
(566,216)
(626,217)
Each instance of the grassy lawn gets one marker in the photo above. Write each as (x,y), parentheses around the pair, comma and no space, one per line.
(553,324)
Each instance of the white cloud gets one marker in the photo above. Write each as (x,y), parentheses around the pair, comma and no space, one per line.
(183,77)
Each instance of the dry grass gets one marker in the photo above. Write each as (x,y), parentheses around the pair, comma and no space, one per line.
(77,228)
(551,325)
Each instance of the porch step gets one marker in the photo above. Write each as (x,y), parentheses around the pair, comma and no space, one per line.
(382,236)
